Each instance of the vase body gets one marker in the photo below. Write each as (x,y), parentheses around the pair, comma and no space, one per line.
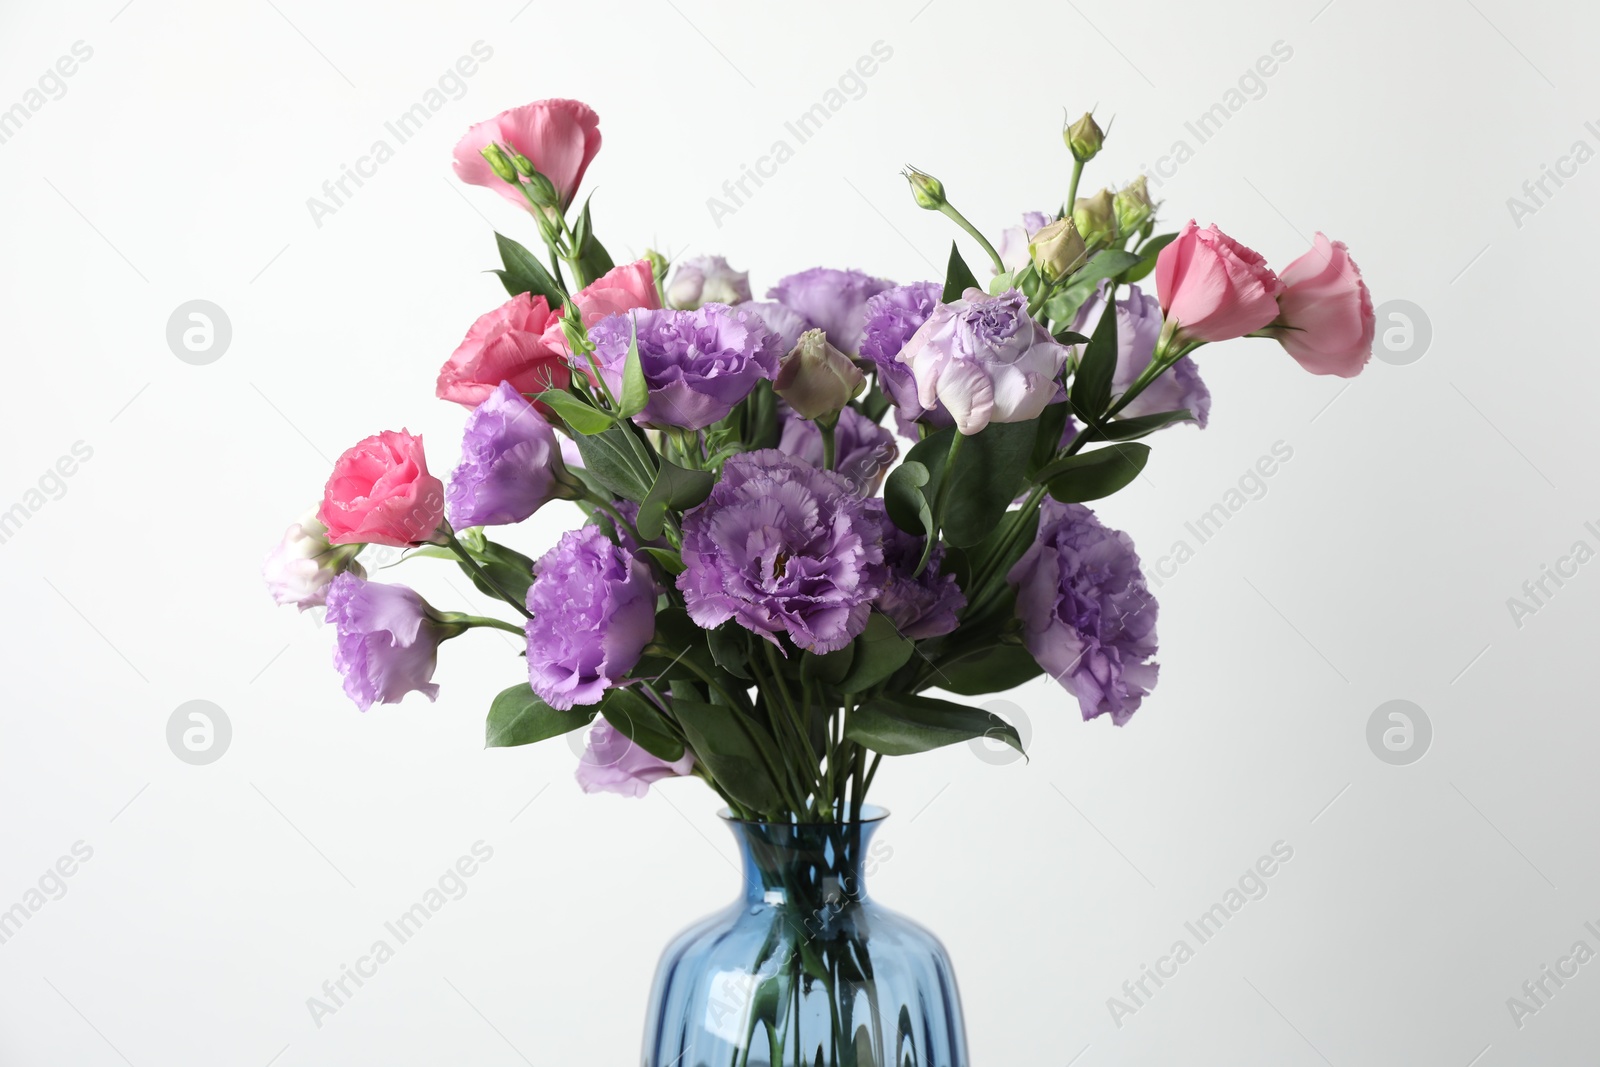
(805,968)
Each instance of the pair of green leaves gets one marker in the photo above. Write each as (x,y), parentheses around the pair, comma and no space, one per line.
(523,273)
(902,725)
(990,470)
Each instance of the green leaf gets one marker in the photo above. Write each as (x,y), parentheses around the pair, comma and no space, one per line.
(1138,426)
(903,725)
(738,754)
(635,390)
(1091,385)
(676,488)
(730,648)
(636,718)
(1092,475)
(583,418)
(879,652)
(592,255)
(1148,252)
(990,471)
(829,667)
(1107,264)
(1052,425)
(524,273)
(958,277)
(609,458)
(1001,282)
(1069,337)
(506,567)
(517,717)
(905,499)
(991,671)
(669,560)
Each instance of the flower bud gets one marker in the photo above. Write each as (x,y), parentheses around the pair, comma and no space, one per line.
(499,163)
(1133,205)
(523,164)
(1096,218)
(299,569)
(926,189)
(658,264)
(1084,138)
(1057,250)
(542,191)
(816,379)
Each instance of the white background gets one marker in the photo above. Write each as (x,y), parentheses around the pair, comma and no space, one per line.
(1377,566)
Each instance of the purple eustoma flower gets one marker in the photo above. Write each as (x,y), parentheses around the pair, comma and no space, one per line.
(1138,329)
(614,764)
(892,318)
(387,640)
(698,364)
(509,463)
(594,610)
(920,605)
(1087,616)
(706,280)
(783,547)
(788,325)
(1013,247)
(833,301)
(863,450)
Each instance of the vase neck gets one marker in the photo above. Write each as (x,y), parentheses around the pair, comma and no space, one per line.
(809,865)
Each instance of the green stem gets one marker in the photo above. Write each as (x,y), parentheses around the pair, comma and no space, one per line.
(949,211)
(615,516)
(827,429)
(939,498)
(471,621)
(473,566)
(1072,187)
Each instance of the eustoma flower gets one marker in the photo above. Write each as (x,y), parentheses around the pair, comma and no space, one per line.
(706,280)
(380,493)
(560,138)
(594,610)
(613,764)
(788,325)
(302,565)
(986,360)
(510,464)
(1087,616)
(508,344)
(388,640)
(698,364)
(1325,317)
(893,318)
(833,301)
(815,379)
(1138,329)
(1213,287)
(863,450)
(624,288)
(783,547)
(920,605)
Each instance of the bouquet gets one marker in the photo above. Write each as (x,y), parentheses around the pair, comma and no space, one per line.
(800,514)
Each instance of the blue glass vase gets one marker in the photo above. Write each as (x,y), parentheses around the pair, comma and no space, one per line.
(805,968)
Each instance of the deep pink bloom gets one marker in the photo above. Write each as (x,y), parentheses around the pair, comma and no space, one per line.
(380,493)
(614,764)
(624,288)
(1325,317)
(507,344)
(560,137)
(1215,287)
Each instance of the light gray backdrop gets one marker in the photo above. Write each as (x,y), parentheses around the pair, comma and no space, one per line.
(207,903)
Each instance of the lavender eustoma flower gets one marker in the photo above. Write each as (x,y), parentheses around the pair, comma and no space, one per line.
(387,640)
(1087,616)
(706,280)
(1138,329)
(893,318)
(613,764)
(833,301)
(986,359)
(594,610)
(863,450)
(509,463)
(920,605)
(698,364)
(788,325)
(783,547)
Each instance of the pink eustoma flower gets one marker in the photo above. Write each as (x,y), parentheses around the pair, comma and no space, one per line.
(1325,317)
(507,344)
(560,138)
(1214,287)
(380,493)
